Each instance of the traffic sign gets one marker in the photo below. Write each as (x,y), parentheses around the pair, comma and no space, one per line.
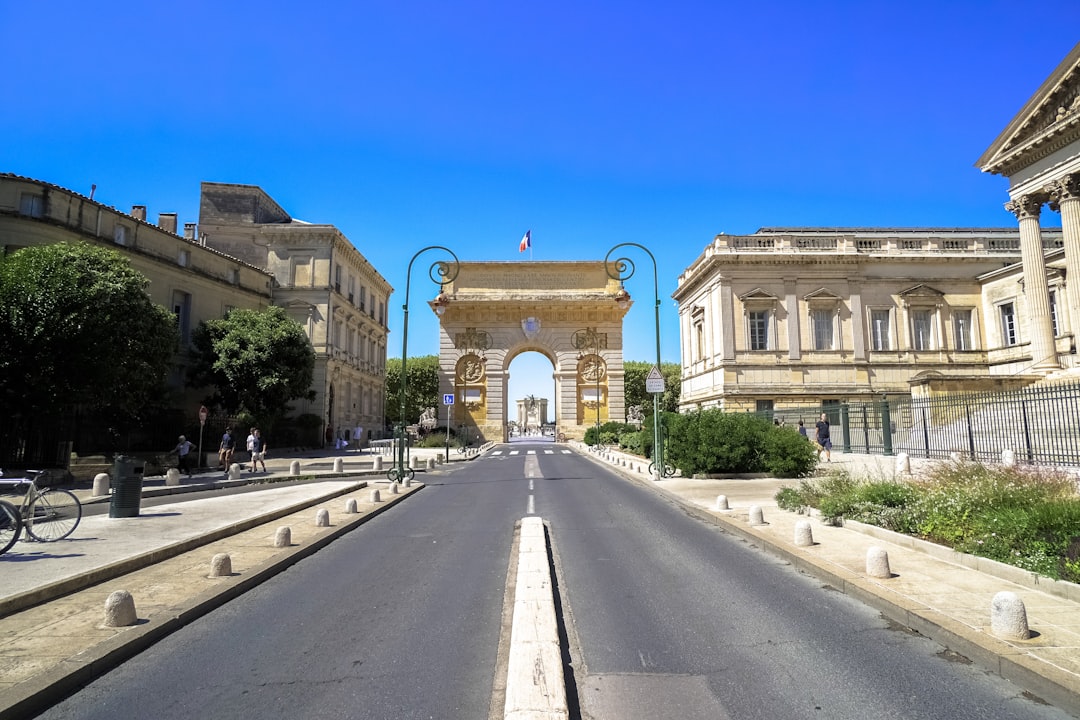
(203,412)
(654,383)
(448,399)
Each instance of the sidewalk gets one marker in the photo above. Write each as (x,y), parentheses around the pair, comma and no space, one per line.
(938,593)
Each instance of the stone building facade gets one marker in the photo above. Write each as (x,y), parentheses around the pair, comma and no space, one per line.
(327,285)
(196,282)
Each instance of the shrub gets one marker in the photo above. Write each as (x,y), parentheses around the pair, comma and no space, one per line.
(788,454)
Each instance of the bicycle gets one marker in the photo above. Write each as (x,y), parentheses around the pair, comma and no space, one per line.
(47,514)
(10,526)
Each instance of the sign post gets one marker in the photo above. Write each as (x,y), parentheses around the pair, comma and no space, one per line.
(654,383)
(448,401)
(203,412)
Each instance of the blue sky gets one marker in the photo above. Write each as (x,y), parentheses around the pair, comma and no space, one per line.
(463,124)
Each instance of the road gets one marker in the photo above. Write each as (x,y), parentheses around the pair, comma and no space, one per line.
(666,617)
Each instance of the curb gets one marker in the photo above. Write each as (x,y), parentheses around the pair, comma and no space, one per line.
(37,694)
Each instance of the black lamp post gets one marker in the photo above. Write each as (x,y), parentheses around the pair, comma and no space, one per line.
(441,272)
(622,269)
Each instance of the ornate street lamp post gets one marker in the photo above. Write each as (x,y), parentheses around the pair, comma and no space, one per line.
(441,272)
(469,342)
(622,269)
(589,339)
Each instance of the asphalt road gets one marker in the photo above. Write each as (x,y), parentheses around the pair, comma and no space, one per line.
(667,617)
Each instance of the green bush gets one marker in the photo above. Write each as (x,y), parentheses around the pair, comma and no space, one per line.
(788,454)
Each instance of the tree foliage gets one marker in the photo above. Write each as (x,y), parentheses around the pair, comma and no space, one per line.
(421,388)
(256,361)
(77,329)
(635,373)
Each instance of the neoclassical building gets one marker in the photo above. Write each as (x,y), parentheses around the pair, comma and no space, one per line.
(327,285)
(798,317)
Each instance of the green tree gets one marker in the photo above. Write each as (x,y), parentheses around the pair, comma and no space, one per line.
(634,376)
(256,360)
(421,388)
(77,330)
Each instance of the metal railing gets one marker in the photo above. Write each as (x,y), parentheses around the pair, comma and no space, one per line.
(1040,424)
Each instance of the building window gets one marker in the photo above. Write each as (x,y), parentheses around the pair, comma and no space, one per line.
(352,289)
(879,330)
(1053,312)
(32,205)
(821,320)
(120,235)
(962,336)
(759,329)
(1008,324)
(181,304)
(363,297)
(337,278)
(921,329)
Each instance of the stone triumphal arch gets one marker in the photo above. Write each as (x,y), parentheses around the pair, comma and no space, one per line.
(570,312)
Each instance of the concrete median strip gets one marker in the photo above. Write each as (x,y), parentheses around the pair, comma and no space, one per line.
(535,687)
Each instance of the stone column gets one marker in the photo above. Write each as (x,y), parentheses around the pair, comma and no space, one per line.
(727,321)
(1043,351)
(1065,198)
(791,306)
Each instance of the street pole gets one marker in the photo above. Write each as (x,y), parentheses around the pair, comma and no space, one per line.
(624,270)
(442,273)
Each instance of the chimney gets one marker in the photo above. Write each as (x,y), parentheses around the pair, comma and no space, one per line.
(189,231)
(167,222)
(138,212)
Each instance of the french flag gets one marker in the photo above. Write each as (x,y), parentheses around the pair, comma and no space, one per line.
(526,241)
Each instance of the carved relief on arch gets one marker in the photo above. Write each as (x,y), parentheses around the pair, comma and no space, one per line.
(471,369)
(592,369)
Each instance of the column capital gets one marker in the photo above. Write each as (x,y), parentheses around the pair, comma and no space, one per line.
(1026,206)
(1067,188)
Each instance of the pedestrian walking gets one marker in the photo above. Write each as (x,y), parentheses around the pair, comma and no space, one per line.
(802,429)
(225,450)
(258,450)
(183,455)
(823,440)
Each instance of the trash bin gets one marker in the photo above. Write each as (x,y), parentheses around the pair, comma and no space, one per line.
(126,487)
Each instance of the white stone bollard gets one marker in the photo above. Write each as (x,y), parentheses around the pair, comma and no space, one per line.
(1008,457)
(431,463)
(1008,616)
(877,562)
(903,464)
(375,497)
(407,482)
(440,459)
(414,462)
(120,609)
(294,468)
(234,471)
(339,465)
(283,537)
(221,565)
(756,516)
(721,503)
(350,506)
(804,537)
(172,476)
(322,518)
(101,484)
(377,463)
(393,488)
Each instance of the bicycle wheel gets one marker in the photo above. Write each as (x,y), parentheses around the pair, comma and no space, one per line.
(56,515)
(10,526)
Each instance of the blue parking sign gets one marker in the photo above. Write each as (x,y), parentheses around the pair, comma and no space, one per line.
(448,399)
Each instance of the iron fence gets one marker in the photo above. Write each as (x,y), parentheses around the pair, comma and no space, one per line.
(1039,424)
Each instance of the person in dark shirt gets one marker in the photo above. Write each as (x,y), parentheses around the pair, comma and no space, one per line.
(823,440)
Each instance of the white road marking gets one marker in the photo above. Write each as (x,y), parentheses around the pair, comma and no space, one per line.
(531,506)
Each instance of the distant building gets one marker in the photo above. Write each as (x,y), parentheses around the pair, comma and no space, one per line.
(327,285)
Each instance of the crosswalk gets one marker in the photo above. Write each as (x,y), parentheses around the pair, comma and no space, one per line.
(529,452)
